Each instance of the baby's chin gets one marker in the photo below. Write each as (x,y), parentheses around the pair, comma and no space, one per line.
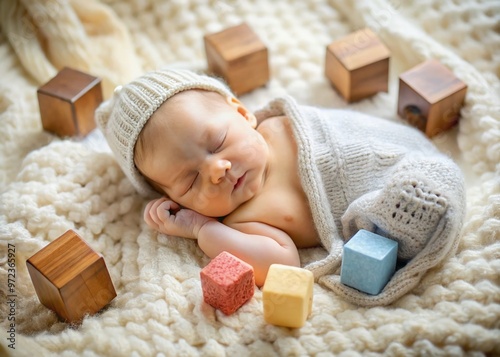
(215,212)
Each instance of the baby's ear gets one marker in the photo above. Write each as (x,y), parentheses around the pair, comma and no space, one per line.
(248,115)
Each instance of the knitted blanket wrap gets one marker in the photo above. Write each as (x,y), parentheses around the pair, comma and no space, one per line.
(50,184)
(347,157)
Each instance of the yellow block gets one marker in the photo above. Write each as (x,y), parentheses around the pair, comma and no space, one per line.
(287,295)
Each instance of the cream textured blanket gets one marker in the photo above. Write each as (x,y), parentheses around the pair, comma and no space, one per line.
(49,185)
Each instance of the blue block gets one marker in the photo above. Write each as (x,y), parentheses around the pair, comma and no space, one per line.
(369,261)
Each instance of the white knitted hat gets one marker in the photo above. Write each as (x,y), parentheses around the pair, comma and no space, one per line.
(122,118)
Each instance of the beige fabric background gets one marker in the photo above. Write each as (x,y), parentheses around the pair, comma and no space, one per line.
(49,185)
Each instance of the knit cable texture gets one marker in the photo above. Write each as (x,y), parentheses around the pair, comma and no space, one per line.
(49,184)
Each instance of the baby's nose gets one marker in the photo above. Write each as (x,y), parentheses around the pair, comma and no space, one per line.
(218,170)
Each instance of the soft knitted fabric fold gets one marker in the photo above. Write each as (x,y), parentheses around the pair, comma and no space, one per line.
(364,172)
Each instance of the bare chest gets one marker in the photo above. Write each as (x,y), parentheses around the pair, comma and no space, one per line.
(281,202)
(286,207)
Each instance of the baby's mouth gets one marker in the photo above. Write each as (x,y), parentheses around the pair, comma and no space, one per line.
(239,182)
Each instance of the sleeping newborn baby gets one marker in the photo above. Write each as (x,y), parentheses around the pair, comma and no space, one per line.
(263,185)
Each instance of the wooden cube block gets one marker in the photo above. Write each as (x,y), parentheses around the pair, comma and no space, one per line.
(239,56)
(358,65)
(71,278)
(68,101)
(227,282)
(368,262)
(430,97)
(287,295)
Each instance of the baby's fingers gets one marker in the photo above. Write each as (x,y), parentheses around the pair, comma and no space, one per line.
(147,216)
(150,213)
(164,208)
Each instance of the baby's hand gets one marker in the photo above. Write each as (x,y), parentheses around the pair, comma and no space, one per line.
(169,218)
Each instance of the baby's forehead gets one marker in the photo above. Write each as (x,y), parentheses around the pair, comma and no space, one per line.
(182,109)
(200,95)
(191,103)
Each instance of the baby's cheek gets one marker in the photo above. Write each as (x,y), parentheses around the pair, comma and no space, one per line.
(206,197)
(252,148)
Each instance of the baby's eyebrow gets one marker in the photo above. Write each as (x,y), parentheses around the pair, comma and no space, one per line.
(203,138)
(206,135)
(179,181)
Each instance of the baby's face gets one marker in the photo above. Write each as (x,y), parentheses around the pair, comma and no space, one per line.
(206,154)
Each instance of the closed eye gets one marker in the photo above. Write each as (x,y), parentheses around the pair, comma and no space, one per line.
(194,180)
(219,146)
(191,185)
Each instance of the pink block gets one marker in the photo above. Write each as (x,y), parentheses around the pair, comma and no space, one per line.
(227,282)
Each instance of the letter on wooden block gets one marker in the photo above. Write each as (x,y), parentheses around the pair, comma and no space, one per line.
(239,56)
(68,102)
(227,282)
(71,278)
(358,65)
(430,97)
(287,295)
(368,262)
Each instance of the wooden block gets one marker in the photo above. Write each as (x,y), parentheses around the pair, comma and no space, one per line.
(67,103)
(71,278)
(239,56)
(227,282)
(430,97)
(368,262)
(287,295)
(358,65)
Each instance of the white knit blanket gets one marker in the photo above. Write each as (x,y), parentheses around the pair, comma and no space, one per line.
(49,185)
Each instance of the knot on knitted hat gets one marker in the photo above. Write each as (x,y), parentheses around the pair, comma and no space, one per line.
(122,118)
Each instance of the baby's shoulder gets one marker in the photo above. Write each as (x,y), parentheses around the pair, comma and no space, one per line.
(273,123)
(258,209)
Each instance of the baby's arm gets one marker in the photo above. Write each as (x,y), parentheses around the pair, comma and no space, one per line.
(258,244)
